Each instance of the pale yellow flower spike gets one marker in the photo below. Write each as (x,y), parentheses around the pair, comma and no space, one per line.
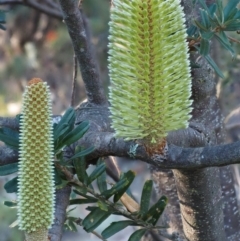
(36,189)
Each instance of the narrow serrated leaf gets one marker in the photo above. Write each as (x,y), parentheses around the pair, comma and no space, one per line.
(204,47)
(199,25)
(83,194)
(96,173)
(11,204)
(115,227)
(101,180)
(8,169)
(11,186)
(82,153)
(75,134)
(11,140)
(137,235)
(102,205)
(205,19)
(222,38)
(214,66)
(80,168)
(155,211)
(233,25)
(146,196)
(82,201)
(230,9)
(72,226)
(94,219)
(129,176)
(67,119)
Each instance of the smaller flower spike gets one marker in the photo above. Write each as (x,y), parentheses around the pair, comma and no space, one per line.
(36,196)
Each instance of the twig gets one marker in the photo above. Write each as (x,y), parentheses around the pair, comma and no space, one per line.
(79,222)
(233,40)
(56,13)
(74,79)
(62,201)
(72,179)
(82,47)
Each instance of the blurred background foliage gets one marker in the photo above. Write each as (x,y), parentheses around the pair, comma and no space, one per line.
(36,45)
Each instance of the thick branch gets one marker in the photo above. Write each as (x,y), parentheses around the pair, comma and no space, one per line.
(10,122)
(82,47)
(53,12)
(7,155)
(176,158)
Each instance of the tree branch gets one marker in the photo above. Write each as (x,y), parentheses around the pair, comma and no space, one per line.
(53,12)
(7,155)
(175,157)
(62,201)
(82,48)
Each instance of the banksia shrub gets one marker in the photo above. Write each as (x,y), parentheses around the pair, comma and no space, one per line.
(149,69)
(36,181)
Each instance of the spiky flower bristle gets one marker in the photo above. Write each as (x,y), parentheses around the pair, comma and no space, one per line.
(36,189)
(149,69)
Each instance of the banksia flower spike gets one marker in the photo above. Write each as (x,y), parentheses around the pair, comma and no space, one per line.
(149,69)
(36,181)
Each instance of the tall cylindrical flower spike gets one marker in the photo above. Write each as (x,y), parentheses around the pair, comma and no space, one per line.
(36,196)
(149,69)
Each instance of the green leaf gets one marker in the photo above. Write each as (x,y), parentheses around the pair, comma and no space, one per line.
(214,66)
(220,10)
(101,180)
(205,19)
(96,173)
(71,226)
(82,201)
(82,153)
(80,167)
(146,196)
(62,184)
(204,47)
(137,235)
(94,219)
(155,211)
(206,35)
(129,177)
(199,25)
(9,137)
(115,227)
(75,134)
(191,30)
(120,187)
(8,169)
(230,9)
(204,5)
(11,186)
(102,206)
(10,204)
(67,120)
(82,193)
(212,9)
(234,25)
(223,39)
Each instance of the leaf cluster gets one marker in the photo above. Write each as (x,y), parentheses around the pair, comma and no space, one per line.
(2,19)
(214,21)
(64,135)
(108,202)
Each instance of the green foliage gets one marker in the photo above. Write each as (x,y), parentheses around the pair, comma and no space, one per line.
(214,21)
(146,217)
(2,19)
